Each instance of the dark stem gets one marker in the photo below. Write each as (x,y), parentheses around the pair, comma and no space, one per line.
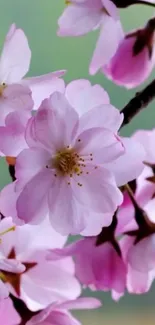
(12,172)
(141,100)
(150,4)
(127,3)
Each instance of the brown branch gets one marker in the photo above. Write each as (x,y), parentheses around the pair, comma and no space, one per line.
(141,100)
(127,3)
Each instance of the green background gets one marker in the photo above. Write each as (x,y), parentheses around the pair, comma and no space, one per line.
(38,18)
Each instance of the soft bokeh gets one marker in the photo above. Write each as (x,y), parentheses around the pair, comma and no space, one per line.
(38,18)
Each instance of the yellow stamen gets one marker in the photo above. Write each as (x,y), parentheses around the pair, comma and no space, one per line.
(66,162)
(2,87)
(2,277)
(13,228)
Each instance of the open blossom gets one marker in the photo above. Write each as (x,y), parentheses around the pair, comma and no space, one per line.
(8,314)
(98,267)
(134,59)
(60,313)
(69,162)
(81,17)
(68,165)
(69,156)
(39,282)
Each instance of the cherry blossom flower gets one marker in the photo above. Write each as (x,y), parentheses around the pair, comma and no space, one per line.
(70,166)
(14,65)
(60,313)
(134,59)
(81,17)
(80,212)
(98,267)
(39,282)
(17,95)
(8,314)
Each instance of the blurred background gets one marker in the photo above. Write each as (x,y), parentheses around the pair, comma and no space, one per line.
(38,18)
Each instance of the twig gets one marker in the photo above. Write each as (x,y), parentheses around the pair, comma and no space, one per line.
(138,103)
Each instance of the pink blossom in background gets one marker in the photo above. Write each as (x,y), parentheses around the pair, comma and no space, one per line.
(39,282)
(14,65)
(144,188)
(18,96)
(139,256)
(8,314)
(81,17)
(139,279)
(8,265)
(12,134)
(98,267)
(60,313)
(134,59)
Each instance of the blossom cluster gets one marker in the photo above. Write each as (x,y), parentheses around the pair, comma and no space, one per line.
(74,174)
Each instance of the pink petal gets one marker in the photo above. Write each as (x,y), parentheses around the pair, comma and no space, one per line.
(98,191)
(95,222)
(4,292)
(35,194)
(141,256)
(48,282)
(102,116)
(105,49)
(8,194)
(81,303)
(15,57)
(11,265)
(43,86)
(78,20)
(128,166)
(65,112)
(139,282)
(66,214)
(100,145)
(55,317)
(29,163)
(8,314)
(83,96)
(18,97)
(111,8)
(54,115)
(12,136)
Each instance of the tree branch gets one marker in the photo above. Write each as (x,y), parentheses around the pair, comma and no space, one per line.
(141,100)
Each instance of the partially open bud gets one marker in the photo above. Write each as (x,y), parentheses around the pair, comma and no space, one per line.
(134,58)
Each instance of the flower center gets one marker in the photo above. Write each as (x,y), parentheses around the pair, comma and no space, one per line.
(66,162)
(2,87)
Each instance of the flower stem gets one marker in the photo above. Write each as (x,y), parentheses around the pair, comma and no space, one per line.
(141,100)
